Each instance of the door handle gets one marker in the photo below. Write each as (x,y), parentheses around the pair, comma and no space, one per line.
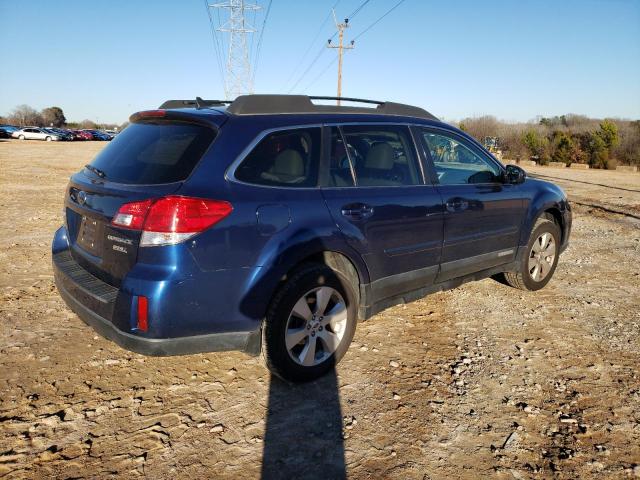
(457,205)
(357,211)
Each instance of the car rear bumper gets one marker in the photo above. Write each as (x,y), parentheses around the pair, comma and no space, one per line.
(98,304)
(248,342)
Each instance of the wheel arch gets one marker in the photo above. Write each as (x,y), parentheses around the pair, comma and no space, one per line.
(543,206)
(339,262)
(288,261)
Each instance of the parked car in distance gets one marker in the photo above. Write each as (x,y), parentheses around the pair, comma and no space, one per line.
(35,133)
(274,223)
(9,129)
(98,135)
(4,133)
(81,135)
(63,134)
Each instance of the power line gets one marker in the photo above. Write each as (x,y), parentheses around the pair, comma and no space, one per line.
(322,72)
(257,56)
(315,37)
(378,20)
(357,10)
(253,37)
(322,50)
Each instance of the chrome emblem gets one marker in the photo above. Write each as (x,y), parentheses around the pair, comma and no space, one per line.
(82,197)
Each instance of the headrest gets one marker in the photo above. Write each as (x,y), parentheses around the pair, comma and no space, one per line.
(288,162)
(380,156)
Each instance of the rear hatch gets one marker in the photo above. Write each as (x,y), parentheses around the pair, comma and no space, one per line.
(150,159)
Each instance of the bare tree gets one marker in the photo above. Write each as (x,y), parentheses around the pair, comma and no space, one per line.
(87,124)
(25,115)
(481,127)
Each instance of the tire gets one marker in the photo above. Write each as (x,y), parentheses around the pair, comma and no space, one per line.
(48,139)
(536,269)
(21,137)
(292,317)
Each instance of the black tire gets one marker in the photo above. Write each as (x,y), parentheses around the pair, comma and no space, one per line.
(20,137)
(47,139)
(274,350)
(522,278)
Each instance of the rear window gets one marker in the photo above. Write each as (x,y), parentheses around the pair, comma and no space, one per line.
(152,153)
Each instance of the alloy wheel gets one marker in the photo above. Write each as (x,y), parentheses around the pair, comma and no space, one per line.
(316,326)
(542,256)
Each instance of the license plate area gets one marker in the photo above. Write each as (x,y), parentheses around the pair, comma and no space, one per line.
(90,236)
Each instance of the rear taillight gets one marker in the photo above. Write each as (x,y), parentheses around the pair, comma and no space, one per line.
(170,220)
(132,215)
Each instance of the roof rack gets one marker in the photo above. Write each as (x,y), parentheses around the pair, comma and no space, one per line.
(273,104)
(266,104)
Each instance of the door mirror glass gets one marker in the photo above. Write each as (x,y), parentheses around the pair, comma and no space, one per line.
(514,174)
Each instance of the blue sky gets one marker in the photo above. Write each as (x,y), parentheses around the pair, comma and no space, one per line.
(510,58)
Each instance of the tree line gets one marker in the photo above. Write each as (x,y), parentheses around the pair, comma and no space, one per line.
(600,143)
(26,116)
(566,138)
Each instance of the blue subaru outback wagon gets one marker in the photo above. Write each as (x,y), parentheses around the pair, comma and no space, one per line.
(273,223)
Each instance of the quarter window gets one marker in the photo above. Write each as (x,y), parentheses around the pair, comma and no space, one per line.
(456,163)
(381,155)
(285,158)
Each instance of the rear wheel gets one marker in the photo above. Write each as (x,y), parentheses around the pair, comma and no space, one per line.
(539,264)
(310,324)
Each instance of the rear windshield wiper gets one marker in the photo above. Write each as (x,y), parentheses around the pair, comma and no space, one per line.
(95,170)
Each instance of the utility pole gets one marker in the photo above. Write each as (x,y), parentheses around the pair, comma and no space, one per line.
(341,28)
(237,65)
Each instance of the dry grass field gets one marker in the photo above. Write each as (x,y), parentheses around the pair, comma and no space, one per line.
(482,381)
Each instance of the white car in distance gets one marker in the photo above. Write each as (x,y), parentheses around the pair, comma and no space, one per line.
(35,133)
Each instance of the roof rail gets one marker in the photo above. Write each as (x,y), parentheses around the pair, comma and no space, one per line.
(270,104)
(198,103)
(273,104)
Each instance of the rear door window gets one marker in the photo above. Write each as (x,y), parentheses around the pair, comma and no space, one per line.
(287,158)
(382,155)
(154,153)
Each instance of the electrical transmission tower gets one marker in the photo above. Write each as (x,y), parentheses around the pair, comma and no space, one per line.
(237,78)
(341,28)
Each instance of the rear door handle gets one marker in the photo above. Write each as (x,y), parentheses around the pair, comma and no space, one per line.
(457,205)
(357,211)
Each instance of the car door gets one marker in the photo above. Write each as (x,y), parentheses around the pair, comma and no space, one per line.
(374,188)
(482,214)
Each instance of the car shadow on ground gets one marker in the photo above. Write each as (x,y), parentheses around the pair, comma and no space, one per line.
(303,433)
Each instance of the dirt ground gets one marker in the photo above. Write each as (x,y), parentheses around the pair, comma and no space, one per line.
(482,381)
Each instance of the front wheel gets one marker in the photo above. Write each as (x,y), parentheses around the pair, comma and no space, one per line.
(310,324)
(48,139)
(21,137)
(539,264)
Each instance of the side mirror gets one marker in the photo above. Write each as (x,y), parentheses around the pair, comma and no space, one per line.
(514,175)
